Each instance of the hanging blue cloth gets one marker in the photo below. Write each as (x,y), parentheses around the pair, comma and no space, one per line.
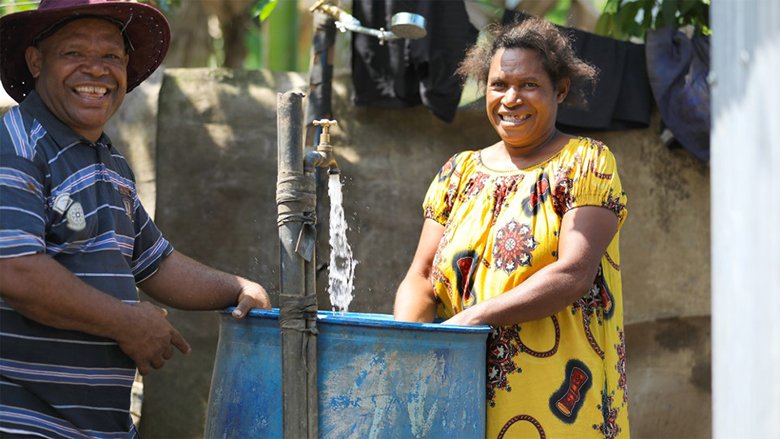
(678,67)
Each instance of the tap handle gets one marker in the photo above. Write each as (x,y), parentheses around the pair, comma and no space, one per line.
(325,124)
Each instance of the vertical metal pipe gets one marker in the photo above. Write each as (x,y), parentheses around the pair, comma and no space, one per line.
(319,102)
(319,106)
(299,346)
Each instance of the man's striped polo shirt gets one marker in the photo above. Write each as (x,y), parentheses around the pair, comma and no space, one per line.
(76,202)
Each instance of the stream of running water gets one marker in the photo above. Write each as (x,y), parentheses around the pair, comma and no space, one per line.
(342,264)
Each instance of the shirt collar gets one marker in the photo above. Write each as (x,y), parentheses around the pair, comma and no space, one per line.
(62,134)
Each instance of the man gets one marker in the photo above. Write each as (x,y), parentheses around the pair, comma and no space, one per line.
(74,238)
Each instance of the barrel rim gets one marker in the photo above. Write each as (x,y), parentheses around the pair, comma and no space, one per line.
(370,320)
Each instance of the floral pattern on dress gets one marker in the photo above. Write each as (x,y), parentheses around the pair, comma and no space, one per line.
(503,346)
(513,246)
(539,193)
(437,277)
(613,203)
(562,199)
(620,366)
(474,185)
(566,402)
(594,164)
(598,302)
(609,427)
(446,171)
(503,187)
(464,264)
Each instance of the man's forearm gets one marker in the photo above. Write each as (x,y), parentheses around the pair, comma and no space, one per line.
(184,283)
(41,289)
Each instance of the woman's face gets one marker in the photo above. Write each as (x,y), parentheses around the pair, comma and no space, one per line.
(521,100)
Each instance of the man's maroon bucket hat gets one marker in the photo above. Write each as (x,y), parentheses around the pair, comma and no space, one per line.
(145,29)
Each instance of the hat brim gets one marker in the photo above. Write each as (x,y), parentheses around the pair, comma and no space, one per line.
(147,30)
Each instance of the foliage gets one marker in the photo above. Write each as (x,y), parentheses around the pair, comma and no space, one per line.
(626,19)
(263,8)
(11,6)
(164,5)
(558,13)
(260,9)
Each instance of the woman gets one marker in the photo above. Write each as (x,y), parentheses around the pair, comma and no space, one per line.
(523,236)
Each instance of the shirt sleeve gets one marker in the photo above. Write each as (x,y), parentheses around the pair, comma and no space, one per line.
(598,183)
(150,246)
(22,200)
(438,201)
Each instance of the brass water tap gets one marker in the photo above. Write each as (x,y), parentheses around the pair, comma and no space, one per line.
(327,158)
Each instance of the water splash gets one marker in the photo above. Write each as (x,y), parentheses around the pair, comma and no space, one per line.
(342,265)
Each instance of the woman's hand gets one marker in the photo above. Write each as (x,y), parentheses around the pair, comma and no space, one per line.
(466,317)
(459,319)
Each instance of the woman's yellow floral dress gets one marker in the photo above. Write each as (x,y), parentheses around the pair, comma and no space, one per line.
(564,375)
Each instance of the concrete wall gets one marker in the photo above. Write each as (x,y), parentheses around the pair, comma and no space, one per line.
(216,174)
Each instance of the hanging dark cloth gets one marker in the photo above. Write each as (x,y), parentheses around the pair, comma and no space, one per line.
(622,97)
(404,73)
(678,67)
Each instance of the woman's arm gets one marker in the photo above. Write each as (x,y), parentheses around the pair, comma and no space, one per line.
(585,235)
(414,300)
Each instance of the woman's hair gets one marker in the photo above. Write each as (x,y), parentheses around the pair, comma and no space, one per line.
(552,45)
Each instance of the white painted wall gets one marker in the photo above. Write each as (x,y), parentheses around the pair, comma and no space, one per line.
(746,219)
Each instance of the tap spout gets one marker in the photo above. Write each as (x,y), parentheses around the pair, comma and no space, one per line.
(323,157)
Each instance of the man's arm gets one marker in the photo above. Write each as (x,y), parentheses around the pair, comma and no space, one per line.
(41,289)
(184,283)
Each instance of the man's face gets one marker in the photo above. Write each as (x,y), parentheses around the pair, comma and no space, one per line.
(81,74)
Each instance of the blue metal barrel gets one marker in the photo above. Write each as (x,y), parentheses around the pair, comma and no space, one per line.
(377,378)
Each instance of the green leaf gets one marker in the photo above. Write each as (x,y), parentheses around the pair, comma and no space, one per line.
(687,5)
(263,9)
(627,18)
(647,15)
(607,26)
(602,24)
(611,6)
(668,14)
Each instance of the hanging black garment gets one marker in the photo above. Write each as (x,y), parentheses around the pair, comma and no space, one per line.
(622,97)
(404,73)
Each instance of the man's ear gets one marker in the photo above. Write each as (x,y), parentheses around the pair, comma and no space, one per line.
(33,57)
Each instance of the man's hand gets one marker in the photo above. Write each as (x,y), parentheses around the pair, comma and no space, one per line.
(252,295)
(148,338)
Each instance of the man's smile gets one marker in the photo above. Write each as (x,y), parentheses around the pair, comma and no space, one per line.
(91,92)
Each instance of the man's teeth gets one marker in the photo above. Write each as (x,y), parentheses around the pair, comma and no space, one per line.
(92,90)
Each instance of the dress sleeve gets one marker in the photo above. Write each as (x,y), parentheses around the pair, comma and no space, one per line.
(22,197)
(598,182)
(440,196)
